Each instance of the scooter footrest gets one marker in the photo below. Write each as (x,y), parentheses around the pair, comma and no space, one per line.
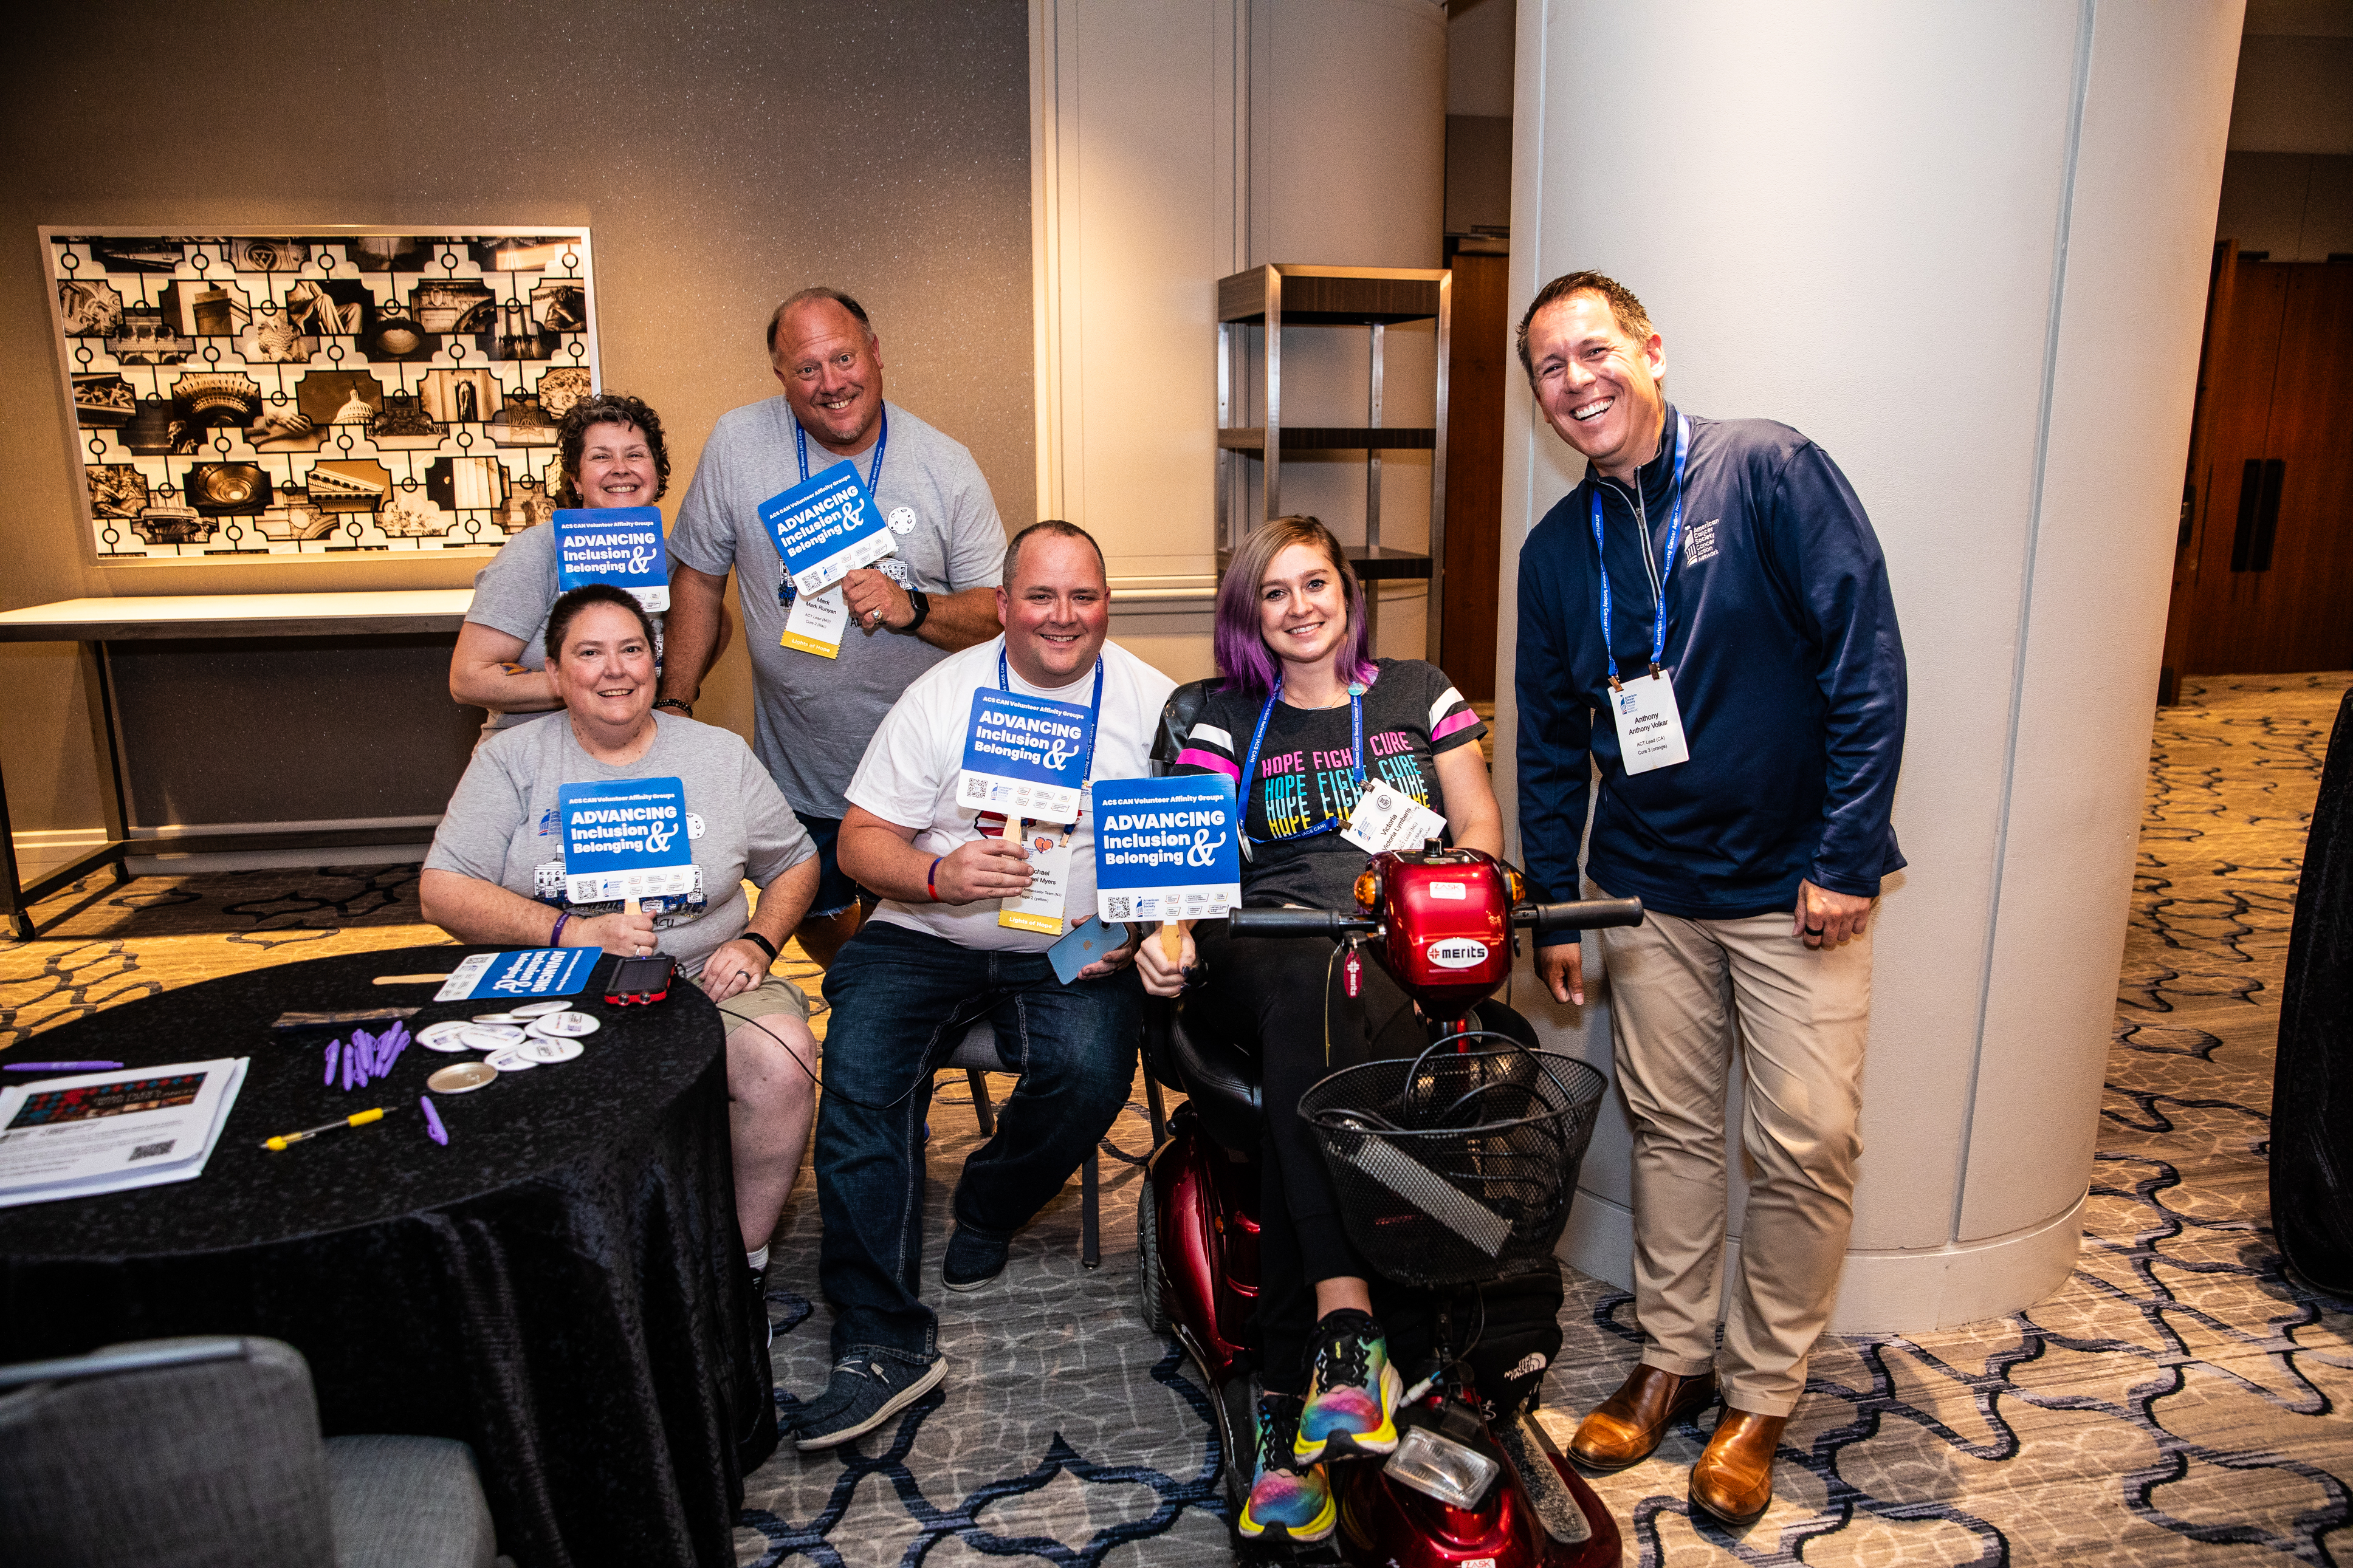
(1554,1504)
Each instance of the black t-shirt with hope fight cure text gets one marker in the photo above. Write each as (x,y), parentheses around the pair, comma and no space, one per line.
(1304,776)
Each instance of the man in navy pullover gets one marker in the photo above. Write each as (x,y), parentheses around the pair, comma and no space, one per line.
(1707,618)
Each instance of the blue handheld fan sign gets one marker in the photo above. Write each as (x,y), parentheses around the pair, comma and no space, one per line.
(1025,756)
(826,527)
(537,972)
(621,545)
(1166,849)
(625,838)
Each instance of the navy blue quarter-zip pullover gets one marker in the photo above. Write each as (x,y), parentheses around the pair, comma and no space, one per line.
(1787,665)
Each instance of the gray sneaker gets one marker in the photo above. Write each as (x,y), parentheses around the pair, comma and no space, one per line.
(864,1392)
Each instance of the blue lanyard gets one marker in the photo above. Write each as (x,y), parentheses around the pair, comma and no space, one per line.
(873,475)
(1674,536)
(1094,709)
(1357,737)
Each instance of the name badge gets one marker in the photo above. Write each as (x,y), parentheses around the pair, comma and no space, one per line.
(1649,725)
(826,528)
(1040,905)
(1025,756)
(621,545)
(816,622)
(625,838)
(1388,818)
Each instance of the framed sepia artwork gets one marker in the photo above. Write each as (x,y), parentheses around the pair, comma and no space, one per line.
(241,396)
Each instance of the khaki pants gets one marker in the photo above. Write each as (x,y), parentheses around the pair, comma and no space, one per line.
(1684,994)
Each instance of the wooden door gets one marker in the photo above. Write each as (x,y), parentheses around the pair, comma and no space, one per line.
(2263,582)
(1482,356)
(2311,626)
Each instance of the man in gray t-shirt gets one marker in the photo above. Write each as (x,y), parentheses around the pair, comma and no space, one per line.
(814,715)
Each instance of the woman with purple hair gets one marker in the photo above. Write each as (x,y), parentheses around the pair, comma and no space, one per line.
(1306,721)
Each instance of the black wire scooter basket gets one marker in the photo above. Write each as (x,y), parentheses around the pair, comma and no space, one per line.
(1456,1167)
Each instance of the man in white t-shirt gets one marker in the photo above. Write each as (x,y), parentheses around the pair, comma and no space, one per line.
(935,958)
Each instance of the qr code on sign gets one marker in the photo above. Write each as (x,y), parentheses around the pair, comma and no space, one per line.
(1122,908)
(975,788)
(149,1151)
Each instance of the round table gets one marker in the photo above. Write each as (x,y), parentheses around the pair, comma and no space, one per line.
(561,1285)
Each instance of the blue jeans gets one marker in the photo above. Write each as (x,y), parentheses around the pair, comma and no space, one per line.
(903,1000)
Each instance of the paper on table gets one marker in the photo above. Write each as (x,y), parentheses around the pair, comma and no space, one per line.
(108,1131)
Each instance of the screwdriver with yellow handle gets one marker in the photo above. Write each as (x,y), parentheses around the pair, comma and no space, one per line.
(358,1118)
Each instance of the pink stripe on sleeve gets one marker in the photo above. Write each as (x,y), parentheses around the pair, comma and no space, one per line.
(1446,726)
(1189,757)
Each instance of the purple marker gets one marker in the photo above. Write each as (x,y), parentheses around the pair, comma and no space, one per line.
(350,1067)
(331,1061)
(433,1128)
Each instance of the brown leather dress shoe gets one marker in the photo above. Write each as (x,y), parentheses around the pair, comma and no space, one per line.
(1734,1477)
(1625,1427)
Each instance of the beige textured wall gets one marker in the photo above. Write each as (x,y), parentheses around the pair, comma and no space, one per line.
(722,154)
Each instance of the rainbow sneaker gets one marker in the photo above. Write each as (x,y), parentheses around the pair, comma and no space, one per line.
(1286,1501)
(1352,1395)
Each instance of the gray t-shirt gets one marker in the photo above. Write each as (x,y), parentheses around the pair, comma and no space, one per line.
(501,825)
(814,715)
(512,595)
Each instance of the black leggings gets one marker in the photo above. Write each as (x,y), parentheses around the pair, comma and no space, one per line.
(1272,993)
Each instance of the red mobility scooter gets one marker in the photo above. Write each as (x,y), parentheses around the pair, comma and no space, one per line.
(1454,1171)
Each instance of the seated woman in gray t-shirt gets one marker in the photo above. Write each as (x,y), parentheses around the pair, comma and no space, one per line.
(612,454)
(496,874)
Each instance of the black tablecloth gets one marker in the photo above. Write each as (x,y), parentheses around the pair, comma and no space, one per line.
(562,1286)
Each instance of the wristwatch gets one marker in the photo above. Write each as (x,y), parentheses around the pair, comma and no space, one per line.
(923,603)
(681,703)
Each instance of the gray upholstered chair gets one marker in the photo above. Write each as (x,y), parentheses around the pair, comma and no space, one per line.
(204,1452)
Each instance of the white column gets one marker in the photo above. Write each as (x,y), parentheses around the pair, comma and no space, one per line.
(1965,247)
(1174,143)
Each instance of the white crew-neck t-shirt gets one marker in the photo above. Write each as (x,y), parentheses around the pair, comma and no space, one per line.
(908,777)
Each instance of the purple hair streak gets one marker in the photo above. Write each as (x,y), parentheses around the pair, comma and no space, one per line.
(1247,664)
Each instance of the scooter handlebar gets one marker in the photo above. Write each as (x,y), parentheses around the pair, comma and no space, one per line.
(1582,915)
(1297,922)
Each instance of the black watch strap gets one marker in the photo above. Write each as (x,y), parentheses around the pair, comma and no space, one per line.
(762,943)
(923,603)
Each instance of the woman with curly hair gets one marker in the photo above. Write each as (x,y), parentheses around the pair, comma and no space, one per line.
(612,455)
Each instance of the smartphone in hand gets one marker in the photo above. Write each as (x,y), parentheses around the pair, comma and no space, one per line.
(1083,944)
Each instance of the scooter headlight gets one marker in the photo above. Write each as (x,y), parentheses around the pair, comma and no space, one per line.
(1368,890)
(1437,1466)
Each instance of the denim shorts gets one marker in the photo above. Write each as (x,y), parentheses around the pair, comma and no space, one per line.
(835,891)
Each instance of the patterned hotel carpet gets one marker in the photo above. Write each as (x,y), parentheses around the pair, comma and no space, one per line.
(2179,1401)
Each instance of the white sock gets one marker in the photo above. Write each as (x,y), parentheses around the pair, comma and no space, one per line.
(758,1260)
